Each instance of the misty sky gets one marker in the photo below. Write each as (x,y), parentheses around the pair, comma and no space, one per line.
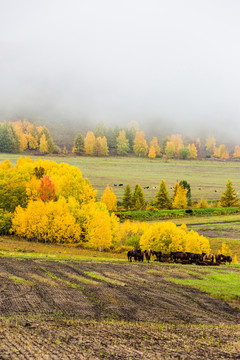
(173,63)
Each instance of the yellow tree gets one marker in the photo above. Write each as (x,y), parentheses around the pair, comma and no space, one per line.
(89,143)
(180,200)
(43,144)
(99,228)
(236,153)
(178,143)
(216,152)
(152,152)
(193,151)
(109,199)
(140,146)
(224,154)
(154,144)
(170,149)
(210,144)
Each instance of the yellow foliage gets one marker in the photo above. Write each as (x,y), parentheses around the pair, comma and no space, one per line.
(202,204)
(140,146)
(193,151)
(210,144)
(235,260)
(129,229)
(225,250)
(167,237)
(154,144)
(152,153)
(47,221)
(180,199)
(89,143)
(236,154)
(170,149)
(5,165)
(109,199)
(99,228)
(32,187)
(178,143)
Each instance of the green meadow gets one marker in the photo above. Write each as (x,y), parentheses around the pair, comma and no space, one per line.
(206,177)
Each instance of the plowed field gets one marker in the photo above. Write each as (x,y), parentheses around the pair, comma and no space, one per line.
(109,310)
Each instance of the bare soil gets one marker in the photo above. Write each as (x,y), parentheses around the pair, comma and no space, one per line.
(114,310)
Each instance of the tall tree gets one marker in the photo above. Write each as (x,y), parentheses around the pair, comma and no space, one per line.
(162,197)
(180,200)
(47,189)
(43,147)
(236,153)
(229,197)
(193,151)
(210,144)
(78,146)
(109,199)
(127,198)
(169,149)
(130,135)
(154,144)
(122,143)
(187,186)
(140,145)
(138,201)
(152,152)
(89,143)
(9,141)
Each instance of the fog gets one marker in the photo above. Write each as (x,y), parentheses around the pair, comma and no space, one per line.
(172,66)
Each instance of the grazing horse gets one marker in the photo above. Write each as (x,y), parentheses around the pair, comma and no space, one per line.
(138,255)
(158,255)
(208,257)
(130,255)
(148,254)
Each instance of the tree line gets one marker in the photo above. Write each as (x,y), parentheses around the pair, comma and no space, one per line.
(105,141)
(180,199)
(19,136)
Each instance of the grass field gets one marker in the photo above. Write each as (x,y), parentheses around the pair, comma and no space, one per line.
(207,178)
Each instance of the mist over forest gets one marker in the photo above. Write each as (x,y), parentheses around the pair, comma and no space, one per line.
(172,66)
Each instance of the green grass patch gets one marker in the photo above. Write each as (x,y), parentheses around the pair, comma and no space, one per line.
(82,279)
(207,178)
(95,275)
(150,215)
(19,280)
(224,286)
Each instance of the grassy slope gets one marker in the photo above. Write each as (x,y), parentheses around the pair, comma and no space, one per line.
(204,176)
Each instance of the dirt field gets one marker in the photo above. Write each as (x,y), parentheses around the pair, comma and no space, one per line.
(107,310)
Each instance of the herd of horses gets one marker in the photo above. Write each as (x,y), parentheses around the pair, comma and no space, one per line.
(179,257)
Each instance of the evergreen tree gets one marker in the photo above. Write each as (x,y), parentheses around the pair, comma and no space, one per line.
(184,153)
(163,199)
(229,197)
(187,186)
(138,201)
(51,145)
(130,135)
(9,141)
(100,130)
(127,198)
(78,146)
